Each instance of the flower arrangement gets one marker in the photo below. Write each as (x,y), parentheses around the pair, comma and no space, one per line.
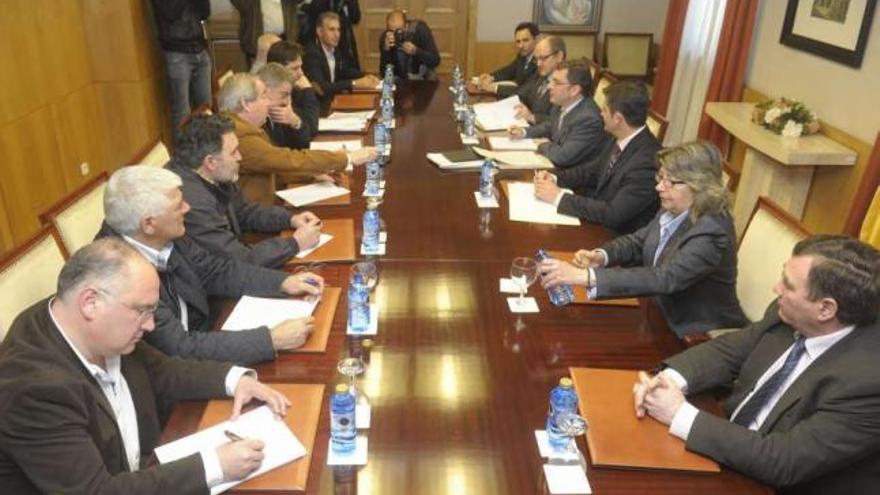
(789,118)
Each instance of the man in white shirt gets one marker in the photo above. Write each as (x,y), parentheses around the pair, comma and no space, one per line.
(804,410)
(79,391)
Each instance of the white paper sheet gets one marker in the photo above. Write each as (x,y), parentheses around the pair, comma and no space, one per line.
(252,312)
(516,160)
(322,239)
(498,115)
(490,202)
(356,458)
(442,162)
(567,480)
(341,125)
(525,207)
(312,193)
(352,145)
(364,115)
(282,446)
(528,305)
(502,143)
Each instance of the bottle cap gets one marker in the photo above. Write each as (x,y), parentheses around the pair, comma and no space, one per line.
(367,343)
(342,388)
(566,382)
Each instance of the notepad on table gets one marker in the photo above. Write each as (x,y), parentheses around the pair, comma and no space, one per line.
(252,312)
(525,207)
(502,143)
(444,163)
(311,193)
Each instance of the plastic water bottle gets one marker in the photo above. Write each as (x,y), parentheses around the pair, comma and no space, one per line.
(470,119)
(343,429)
(487,179)
(374,178)
(358,304)
(560,295)
(380,138)
(563,400)
(456,75)
(387,104)
(371,230)
(389,76)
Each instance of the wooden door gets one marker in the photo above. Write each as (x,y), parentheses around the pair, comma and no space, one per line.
(448,20)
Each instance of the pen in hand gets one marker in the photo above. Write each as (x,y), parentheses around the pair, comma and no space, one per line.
(232,436)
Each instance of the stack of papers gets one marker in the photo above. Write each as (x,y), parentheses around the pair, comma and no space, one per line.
(352,145)
(446,164)
(498,115)
(281,445)
(516,160)
(502,143)
(525,207)
(312,193)
(252,312)
(346,121)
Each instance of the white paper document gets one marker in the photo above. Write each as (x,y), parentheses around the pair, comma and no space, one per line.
(490,202)
(312,193)
(252,312)
(499,115)
(352,145)
(323,239)
(341,125)
(282,446)
(444,163)
(525,207)
(502,143)
(516,160)
(527,305)
(364,115)
(567,480)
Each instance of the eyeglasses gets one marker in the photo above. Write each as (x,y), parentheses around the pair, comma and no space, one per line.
(559,83)
(666,181)
(143,312)
(541,59)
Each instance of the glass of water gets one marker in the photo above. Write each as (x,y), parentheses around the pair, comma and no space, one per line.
(523,272)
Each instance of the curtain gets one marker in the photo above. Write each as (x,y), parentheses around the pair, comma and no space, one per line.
(696,57)
(672,32)
(731,61)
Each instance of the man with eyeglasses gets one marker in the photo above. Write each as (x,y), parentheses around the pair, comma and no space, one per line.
(144,206)
(525,36)
(80,392)
(534,94)
(574,132)
(616,187)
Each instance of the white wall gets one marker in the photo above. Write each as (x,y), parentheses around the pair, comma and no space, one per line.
(844,97)
(497,18)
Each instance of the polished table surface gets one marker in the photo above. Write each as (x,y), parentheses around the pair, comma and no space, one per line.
(457,383)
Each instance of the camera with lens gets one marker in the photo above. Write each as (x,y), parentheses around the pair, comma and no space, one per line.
(401,36)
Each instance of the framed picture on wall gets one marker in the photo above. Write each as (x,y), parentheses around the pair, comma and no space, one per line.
(834,29)
(567,15)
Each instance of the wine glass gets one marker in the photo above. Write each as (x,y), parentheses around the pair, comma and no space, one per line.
(523,272)
(368,271)
(351,367)
(570,425)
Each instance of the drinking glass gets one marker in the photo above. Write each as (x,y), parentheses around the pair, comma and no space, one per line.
(351,367)
(368,272)
(570,425)
(523,272)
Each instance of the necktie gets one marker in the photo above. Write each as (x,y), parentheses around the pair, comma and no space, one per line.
(615,154)
(758,401)
(542,89)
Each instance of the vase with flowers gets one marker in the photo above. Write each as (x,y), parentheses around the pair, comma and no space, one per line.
(785,116)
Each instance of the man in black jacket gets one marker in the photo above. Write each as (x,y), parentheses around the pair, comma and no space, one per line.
(525,36)
(616,188)
(293,106)
(145,207)
(329,69)
(207,160)
(187,62)
(409,46)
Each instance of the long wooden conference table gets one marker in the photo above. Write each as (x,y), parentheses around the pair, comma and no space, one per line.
(457,384)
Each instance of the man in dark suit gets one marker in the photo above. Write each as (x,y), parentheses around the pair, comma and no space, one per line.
(534,94)
(329,69)
(349,15)
(79,391)
(408,45)
(574,132)
(525,36)
(805,397)
(144,205)
(298,125)
(616,188)
(206,159)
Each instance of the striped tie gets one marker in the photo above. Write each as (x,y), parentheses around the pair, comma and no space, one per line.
(758,401)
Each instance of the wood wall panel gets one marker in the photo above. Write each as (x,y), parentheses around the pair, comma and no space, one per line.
(124,115)
(490,56)
(6,242)
(31,177)
(80,136)
(830,197)
(112,49)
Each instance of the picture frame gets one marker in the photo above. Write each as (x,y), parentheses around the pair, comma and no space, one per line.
(567,16)
(833,29)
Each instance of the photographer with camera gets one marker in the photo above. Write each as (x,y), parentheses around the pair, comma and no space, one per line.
(409,46)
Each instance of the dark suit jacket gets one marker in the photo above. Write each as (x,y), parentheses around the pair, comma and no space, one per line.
(58,433)
(426,54)
(694,280)
(317,69)
(579,139)
(517,71)
(822,437)
(349,14)
(623,199)
(529,94)
(307,107)
(250,25)
(194,274)
(219,214)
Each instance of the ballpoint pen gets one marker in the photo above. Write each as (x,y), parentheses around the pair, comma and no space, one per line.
(232,436)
